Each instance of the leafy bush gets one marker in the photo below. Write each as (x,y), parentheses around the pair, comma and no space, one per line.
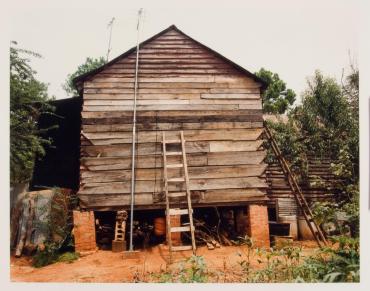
(68,257)
(45,256)
(334,264)
(193,270)
(51,254)
(28,100)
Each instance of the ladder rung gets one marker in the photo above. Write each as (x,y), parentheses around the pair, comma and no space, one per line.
(176,194)
(182,248)
(176,180)
(172,141)
(175,166)
(180,228)
(178,211)
(173,153)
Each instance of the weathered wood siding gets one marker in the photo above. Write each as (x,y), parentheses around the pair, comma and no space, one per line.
(318,188)
(182,86)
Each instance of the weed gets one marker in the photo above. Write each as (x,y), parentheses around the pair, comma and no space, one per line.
(68,257)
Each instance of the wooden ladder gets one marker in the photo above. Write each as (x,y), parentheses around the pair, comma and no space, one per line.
(296,189)
(120,229)
(184,179)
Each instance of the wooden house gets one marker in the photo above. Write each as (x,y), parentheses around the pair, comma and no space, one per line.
(182,85)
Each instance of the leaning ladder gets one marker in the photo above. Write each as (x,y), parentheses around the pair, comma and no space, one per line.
(301,200)
(183,179)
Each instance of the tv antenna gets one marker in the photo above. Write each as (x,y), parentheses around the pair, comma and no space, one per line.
(110,26)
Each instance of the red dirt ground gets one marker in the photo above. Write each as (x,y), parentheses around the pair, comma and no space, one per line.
(106,266)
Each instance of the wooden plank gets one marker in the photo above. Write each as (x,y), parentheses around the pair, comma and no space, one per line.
(106,102)
(112,200)
(176,194)
(169,126)
(190,135)
(217,196)
(144,162)
(162,107)
(184,87)
(151,61)
(234,90)
(194,160)
(142,149)
(229,79)
(161,71)
(229,96)
(178,211)
(180,228)
(182,67)
(146,199)
(106,82)
(236,158)
(234,146)
(117,117)
(153,45)
(154,186)
(123,150)
(127,93)
(172,55)
(233,171)
(173,51)
(127,96)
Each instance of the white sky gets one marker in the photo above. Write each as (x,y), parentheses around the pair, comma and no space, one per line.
(290,37)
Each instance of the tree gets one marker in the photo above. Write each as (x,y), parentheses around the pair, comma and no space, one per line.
(276,98)
(326,123)
(89,65)
(28,100)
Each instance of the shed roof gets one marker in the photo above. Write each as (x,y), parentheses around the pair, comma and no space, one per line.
(79,79)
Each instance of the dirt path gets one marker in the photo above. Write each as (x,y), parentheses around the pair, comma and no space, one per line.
(106,266)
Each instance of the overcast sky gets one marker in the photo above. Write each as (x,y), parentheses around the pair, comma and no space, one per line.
(290,37)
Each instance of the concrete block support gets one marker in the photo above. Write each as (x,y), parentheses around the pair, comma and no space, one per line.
(84,231)
(258,227)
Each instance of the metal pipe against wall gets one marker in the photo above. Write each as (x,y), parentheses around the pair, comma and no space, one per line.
(134,133)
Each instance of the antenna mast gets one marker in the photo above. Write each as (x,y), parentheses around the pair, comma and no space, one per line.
(134,131)
(110,25)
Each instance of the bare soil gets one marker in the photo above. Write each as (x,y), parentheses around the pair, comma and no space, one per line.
(106,266)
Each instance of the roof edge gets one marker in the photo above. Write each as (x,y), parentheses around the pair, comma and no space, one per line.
(77,80)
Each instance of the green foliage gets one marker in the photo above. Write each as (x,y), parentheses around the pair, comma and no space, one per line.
(289,141)
(51,254)
(89,65)
(326,123)
(194,271)
(68,257)
(277,98)
(325,119)
(28,100)
(45,256)
(335,264)
(338,263)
